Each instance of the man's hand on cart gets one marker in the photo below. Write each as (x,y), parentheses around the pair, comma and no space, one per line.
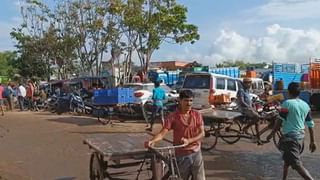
(149,143)
(185,141)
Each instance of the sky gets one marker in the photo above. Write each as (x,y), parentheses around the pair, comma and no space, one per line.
(252,30)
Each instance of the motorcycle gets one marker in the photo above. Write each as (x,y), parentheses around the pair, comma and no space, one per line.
(70,102)
(51,104)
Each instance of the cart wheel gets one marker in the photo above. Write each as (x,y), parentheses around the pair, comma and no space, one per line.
(96,167)
(211,137)
(230,134)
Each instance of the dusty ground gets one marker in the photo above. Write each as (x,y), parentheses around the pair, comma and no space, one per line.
(44,146)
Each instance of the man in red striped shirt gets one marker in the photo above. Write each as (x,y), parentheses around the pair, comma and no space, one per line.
(188,129)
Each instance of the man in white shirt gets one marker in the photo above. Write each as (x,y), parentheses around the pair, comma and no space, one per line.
(21,93)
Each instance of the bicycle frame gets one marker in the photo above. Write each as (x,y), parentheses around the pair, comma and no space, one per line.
(232,131)
(170,160)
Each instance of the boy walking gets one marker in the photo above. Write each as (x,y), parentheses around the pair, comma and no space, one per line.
(293,116)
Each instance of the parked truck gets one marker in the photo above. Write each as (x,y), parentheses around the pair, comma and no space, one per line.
(168,77)
(314,80)
(308,75)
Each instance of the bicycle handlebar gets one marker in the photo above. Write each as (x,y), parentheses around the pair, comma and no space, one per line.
(168,147)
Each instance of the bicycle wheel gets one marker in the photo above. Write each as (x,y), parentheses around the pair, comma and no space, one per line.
(276,138)
(230,134)
(211,137)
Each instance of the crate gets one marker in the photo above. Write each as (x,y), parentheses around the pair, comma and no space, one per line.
(100,92)
(251,74)
(109,100)
(221,99)
(114,92)
(113,96)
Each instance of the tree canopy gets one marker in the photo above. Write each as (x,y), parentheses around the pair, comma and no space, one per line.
(76,35)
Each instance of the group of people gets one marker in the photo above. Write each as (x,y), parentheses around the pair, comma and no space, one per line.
(188,129)
(20,93)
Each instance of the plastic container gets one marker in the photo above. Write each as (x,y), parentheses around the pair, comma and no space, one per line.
(221,99)
(314,66)
(251,74)
(314,79)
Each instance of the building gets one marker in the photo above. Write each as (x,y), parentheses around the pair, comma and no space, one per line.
(169,65)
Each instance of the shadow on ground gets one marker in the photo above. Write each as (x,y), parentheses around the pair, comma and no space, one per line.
(78,120)
(221,164)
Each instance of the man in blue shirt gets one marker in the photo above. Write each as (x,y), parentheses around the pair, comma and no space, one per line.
(158,96)
(295,113)
(245,106)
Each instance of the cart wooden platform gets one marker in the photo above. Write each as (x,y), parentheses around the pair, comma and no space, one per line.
(218,115)
(125,152)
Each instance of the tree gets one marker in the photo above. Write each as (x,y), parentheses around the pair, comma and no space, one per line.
(7,64)
(241,64)
(155,22)
(86,30)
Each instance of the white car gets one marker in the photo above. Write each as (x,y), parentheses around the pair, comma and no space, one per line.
(143,94)
(143,91)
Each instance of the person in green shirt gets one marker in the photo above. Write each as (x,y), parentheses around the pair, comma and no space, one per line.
(294,114)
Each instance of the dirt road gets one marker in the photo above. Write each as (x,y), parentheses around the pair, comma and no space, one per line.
(44,146)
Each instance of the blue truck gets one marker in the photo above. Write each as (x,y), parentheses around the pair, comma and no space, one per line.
(168,77)
(288,73)
(175,78)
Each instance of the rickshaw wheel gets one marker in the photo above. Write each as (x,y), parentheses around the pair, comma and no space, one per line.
(211,137)
(96,167)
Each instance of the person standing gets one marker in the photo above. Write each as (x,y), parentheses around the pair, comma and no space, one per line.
(29,94)
(188,129)
(1,99)
(293,116)
(21,93)
(9,95)
(158,95)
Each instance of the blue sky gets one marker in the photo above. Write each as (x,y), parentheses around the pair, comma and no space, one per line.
(255,30)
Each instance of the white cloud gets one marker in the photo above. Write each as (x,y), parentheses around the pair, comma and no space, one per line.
(278,44)
(285,10)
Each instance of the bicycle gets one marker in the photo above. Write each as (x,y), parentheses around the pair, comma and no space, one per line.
(232,131)
(148,107)
(170,166)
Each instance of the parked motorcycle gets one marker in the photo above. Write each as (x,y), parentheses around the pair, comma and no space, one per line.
(51,103)
(70,102)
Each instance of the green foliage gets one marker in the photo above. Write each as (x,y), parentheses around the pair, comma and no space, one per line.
(7,64)
(86,30)
(156,22)
(241,64)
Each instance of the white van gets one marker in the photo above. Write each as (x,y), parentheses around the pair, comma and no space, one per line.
(203,84)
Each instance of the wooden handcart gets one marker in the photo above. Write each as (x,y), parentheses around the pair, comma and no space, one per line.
(122,155)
